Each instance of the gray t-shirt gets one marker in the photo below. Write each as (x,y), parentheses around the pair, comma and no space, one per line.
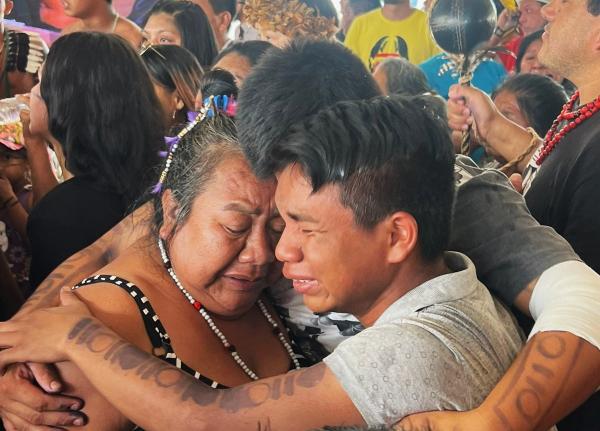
(442,346)
(491,225)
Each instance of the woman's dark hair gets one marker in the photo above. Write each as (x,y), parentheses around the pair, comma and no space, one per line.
(103,110)
(539,97)
(251,50)
(196,33)
(176,69)
(199,153)
(218,82)
(525,43)
(404,77)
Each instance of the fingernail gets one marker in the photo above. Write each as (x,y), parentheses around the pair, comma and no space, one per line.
(78,422)
(75,406)
(55,386)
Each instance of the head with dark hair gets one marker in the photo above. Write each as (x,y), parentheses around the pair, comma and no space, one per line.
(220,6)
(375,177)
(240,57)
(530,101)
(399,76)
(176,76)
(289,85)
(217,220)
(221,14)
(216,82)
(181,22)
(113,133)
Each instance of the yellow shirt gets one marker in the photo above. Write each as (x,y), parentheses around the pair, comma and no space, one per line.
(373,38)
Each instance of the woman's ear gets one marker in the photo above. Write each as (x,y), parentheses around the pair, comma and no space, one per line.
(170,209)
(179,103)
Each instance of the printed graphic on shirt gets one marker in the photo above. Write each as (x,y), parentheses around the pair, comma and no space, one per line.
(387,47)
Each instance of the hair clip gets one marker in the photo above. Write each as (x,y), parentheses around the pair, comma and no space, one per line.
(173,142)
(147,46)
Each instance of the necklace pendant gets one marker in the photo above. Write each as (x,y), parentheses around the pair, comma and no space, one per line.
(197,305)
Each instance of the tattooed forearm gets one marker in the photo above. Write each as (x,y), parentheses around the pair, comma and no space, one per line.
(544,368)
(99,340)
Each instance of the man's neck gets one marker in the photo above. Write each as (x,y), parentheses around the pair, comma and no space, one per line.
(101,19)
(588,90)
(398,11)
(405,280)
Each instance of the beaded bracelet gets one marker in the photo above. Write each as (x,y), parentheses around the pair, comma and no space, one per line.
(533,144)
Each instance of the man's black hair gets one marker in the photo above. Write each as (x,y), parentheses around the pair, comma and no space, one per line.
(387,154)
(289,85)
(220,6)
(252,50)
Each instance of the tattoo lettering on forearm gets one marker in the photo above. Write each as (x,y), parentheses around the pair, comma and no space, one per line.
(96,339)
(538,381)
(255,394)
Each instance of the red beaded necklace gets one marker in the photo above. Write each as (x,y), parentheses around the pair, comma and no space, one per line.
(573,118)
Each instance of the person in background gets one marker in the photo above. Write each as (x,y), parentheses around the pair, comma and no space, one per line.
(527,20)
(441,74)
(95,15)
(399,76)
(528,62)
(220,15)
(183,23)
(394,30)
(240,57)
(23,55)
(528,100)
(352,9)
(15,204)
(281,21)
(176,77)
(111,139)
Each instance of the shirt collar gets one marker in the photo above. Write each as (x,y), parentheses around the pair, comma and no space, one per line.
(459,283)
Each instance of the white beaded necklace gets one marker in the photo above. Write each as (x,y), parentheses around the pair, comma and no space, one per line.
(211,324)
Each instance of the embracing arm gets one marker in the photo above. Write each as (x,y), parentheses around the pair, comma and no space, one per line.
(533,268)
(168,398)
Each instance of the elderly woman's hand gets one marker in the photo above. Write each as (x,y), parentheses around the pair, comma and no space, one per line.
(41,336)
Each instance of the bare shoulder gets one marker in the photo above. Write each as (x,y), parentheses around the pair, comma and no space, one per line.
(117,309)
(129,31)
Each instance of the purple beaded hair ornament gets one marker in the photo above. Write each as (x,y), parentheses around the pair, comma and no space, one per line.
(212,106)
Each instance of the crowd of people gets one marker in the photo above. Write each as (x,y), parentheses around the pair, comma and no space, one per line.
(260,215)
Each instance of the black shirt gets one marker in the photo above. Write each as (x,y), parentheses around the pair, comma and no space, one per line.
(69,218)
(565,193)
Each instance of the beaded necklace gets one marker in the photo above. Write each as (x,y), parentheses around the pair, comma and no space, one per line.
(573,119)
(211,324)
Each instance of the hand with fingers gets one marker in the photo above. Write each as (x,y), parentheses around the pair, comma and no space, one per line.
(472,420)
(30,400)
(41,336)
(468,106)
